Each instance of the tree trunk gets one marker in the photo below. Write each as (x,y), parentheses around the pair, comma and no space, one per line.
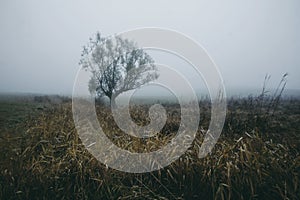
(112,102)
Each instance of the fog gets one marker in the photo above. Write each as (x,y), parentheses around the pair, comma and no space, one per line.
(41,42)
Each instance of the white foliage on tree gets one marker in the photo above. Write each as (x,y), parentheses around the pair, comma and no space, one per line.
(117,65)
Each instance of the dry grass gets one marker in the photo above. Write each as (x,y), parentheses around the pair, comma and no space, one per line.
(47,160)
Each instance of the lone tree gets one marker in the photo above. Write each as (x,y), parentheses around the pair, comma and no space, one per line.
(117,65)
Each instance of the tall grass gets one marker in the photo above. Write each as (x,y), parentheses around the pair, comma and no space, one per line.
(250,161)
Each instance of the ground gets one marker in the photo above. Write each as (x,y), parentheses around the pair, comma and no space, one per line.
(256,157)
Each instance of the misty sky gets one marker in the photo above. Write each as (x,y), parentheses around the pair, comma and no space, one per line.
(41,41)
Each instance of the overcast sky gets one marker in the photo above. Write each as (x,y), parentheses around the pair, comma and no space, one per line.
(41,41)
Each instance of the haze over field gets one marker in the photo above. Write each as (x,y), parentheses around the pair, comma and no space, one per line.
(41,42)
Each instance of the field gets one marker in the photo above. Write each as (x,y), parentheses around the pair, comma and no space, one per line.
(256,157)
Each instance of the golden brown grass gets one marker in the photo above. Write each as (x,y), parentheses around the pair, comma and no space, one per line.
(48,161)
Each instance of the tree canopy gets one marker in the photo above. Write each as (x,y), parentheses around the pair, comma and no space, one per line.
(117,65)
